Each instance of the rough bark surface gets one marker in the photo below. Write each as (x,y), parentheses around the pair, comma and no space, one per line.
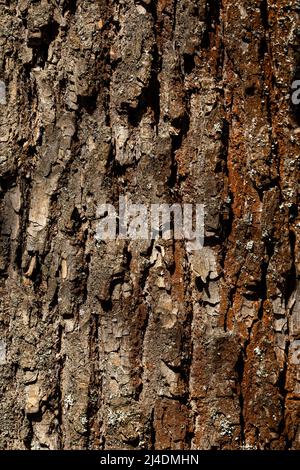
(135,344)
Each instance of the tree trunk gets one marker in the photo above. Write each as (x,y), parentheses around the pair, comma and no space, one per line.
(144,344)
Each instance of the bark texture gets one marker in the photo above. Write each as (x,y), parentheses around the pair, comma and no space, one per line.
(136,344)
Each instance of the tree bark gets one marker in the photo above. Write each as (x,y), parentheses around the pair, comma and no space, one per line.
(131,344)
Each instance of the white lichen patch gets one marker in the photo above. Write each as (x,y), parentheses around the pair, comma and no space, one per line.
(2,352)
(2,92)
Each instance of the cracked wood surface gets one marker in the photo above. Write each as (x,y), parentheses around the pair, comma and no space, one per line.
(137,344)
